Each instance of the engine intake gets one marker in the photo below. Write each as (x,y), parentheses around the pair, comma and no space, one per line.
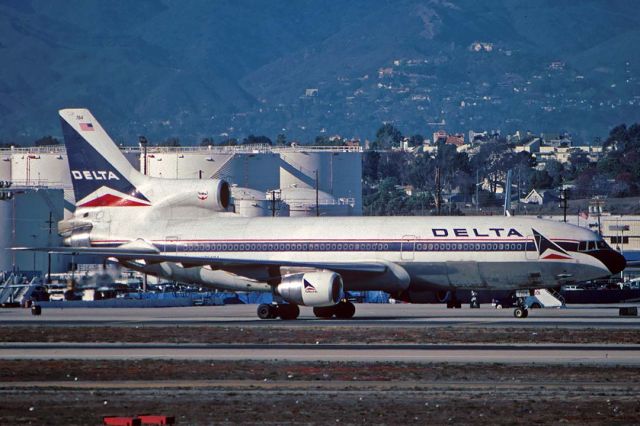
(319,288)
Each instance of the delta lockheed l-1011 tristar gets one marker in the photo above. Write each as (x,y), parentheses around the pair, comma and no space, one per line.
(182,230)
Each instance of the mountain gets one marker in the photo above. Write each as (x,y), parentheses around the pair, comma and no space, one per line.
(210,69)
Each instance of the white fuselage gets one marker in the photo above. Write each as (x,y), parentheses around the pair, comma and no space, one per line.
(488,252)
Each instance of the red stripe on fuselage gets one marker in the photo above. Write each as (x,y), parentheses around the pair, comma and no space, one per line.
(556,256)
(110,200)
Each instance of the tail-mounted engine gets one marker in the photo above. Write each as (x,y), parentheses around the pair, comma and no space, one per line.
(209,194)
(319,288)
(75,234)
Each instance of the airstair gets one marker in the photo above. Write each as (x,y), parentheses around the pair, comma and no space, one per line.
(544,298)
(14,291)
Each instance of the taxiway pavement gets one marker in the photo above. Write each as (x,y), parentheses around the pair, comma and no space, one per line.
(452,353)
(379,315)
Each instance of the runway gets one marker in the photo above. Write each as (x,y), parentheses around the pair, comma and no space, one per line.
(451,353)
(390,364)
(367,315)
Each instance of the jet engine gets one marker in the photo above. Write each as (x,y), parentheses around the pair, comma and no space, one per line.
(318,288)
(209,194)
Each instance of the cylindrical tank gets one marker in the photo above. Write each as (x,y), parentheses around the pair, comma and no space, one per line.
(302,202)
(250,202)
(338,173)
(347,179)
(40,167)
(31,226)
(252,170)
(253,208)
(6,213)
(5,164)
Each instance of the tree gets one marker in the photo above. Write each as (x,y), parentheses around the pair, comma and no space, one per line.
(256,140)
(370,162)
(172,142)
(388,136)
(229,142)
(207,142)
(281,139)
(556,172)
(541,180)
(46,141)
(416,140)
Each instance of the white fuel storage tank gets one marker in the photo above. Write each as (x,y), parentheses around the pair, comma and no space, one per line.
(339,173)
(259,170)
(25,222)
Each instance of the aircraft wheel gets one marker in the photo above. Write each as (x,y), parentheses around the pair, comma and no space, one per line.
(323,312)
(264,311)
(520,313)
(289,311)
(345,310)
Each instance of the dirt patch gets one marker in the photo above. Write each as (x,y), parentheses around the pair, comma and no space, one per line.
(76,370)
(326,335)
(537,405)
(279,393)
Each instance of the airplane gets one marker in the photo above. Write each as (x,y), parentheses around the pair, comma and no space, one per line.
(183,230)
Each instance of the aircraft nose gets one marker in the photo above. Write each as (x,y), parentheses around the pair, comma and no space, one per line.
(615,261)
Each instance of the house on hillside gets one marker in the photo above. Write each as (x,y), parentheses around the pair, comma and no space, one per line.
(541,196)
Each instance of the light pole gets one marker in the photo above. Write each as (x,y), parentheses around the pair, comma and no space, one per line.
(143,145)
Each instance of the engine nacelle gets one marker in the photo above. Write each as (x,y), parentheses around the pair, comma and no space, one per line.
(209,194)
(318,288)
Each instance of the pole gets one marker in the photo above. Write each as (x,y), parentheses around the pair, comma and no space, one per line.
(143,144)
(477,190)
(317,196)
(438,190)
(518,199)
(599,224)
(49,254)
(564,203)
(273,203)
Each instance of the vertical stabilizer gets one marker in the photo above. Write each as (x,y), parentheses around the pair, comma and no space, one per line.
(100,173)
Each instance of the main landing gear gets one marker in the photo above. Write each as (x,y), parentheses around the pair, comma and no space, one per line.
(289,311)
(343,310)
(286,311)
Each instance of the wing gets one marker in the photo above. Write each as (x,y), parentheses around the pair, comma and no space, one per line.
(152,255)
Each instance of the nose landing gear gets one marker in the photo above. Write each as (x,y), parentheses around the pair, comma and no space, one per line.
(520,312)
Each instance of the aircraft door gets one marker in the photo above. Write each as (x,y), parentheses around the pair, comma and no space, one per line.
(102,222)
(171,245)
(531,254)
(408,247)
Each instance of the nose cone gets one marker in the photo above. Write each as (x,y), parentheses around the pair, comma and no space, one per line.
(614,261)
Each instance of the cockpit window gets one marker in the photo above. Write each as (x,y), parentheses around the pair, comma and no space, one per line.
(592,245)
